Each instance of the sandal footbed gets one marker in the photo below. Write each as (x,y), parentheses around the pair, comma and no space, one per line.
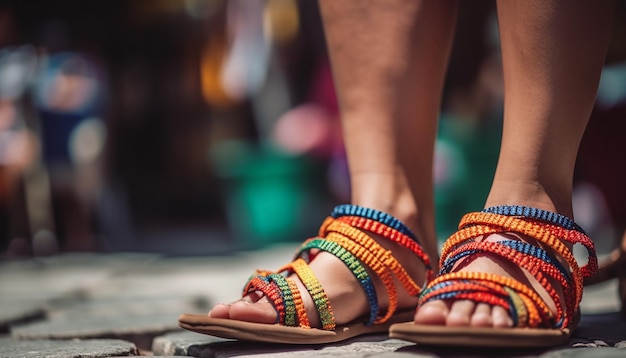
(479,336)
(275,333)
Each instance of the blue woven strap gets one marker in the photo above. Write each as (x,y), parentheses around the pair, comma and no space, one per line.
(537,214)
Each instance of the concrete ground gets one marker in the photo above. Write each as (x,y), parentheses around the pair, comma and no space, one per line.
(107,305)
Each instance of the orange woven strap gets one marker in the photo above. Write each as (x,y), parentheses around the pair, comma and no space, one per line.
(551,235)
(301,315)
(383,255)
(391,234)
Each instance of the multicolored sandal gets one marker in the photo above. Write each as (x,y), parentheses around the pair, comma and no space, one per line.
(343,234)
(535,325)
(614,266)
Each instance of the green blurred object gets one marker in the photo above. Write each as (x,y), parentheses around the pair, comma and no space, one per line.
(270,196)
(467,153)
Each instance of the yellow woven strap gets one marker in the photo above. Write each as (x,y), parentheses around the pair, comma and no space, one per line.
(320,300)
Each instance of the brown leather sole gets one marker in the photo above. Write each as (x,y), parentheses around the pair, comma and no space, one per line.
(275,333)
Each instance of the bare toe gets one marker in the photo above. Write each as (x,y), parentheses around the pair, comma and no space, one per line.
(482,316)
(460,313)
(501,318)
(260,312)
(434,312)
(221,310)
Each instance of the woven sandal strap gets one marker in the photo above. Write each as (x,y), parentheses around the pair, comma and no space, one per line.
(391,234)
(315,289)
(519,312)
(288,314)
(271,290)
(353,263)
(373,214)
(578,236)
(378,251)
(301,315)
(534,213)
(375,265)
(519,246)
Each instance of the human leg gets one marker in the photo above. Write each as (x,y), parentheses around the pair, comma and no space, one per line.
(552,55)
(388,59)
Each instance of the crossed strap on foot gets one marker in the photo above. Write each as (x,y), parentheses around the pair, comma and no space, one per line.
(343,234)
(555,233)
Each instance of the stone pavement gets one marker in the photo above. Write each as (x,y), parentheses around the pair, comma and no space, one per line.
(108,305)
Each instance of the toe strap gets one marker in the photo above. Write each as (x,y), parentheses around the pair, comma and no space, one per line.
(526,308)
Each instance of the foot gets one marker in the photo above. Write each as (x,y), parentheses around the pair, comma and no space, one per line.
(347,299)
(468,313)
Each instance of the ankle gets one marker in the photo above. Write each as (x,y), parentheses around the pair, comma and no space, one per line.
(531,195)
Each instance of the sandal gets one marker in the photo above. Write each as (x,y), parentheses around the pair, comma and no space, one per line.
(613,267)
(343,234)
(534,324)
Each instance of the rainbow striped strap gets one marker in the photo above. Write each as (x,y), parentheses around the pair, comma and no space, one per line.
(524,305)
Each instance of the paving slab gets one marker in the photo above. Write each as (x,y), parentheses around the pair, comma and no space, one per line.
(138,329)
(180,342)
(197,345)
(15,311)
(93,348)
(607,329)
(587,353)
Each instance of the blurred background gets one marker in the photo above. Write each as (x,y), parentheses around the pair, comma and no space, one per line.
(202,127)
